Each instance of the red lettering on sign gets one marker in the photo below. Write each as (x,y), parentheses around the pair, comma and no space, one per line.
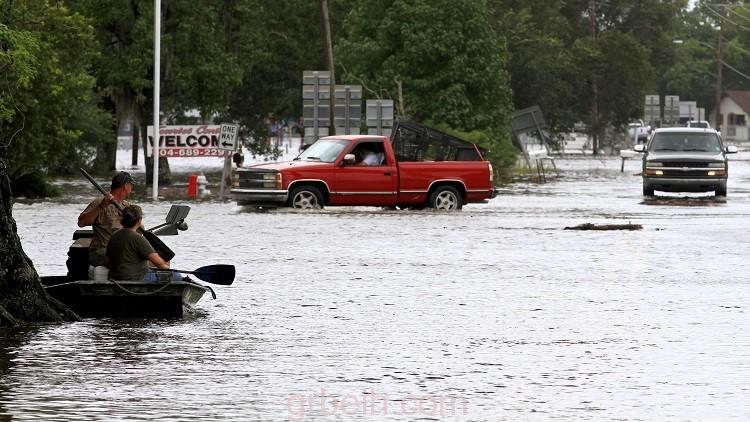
(208,130)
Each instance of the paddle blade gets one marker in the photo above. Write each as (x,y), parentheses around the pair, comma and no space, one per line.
(222,274)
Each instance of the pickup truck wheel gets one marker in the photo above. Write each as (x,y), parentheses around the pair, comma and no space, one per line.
(648,190)
(721,191)
(306,198)
(446,198)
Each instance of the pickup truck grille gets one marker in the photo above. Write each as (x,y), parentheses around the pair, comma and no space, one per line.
(691,164)
(683,173)
(257,179)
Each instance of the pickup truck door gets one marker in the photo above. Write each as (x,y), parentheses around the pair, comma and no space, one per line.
(357,184)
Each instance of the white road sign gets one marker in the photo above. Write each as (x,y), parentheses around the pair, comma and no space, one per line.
(228,137)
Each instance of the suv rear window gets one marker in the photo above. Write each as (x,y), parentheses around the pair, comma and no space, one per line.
(698,142)
(703,125)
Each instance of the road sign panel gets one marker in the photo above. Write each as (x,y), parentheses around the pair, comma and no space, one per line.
(385,131)
(671,108)
(651,113)
(689,110)
(321,92)
(228,137)
(316,103)
(347,109)
(323,77)
(379,116)
(353,92)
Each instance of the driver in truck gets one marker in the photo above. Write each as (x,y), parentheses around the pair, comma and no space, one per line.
(368,156)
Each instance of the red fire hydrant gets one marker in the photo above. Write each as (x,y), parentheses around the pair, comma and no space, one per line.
(192,186)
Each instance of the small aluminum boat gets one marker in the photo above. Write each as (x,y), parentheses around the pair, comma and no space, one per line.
(136,299)
(126,299)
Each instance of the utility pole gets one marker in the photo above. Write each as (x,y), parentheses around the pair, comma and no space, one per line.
(326,23)
(595,102)
(719,67)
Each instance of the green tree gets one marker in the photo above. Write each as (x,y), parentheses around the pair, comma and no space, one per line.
(440,60)
(22,52)
(620,94)
(541,64)
(564,56)
(54,121)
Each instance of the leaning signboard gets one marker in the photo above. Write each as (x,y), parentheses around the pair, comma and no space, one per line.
(187,141)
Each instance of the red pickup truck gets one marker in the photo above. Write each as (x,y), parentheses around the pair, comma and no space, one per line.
(418,167)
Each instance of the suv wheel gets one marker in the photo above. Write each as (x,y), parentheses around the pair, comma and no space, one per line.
(721,191)
(648,190)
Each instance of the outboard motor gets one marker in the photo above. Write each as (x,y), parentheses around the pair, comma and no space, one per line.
(78,255)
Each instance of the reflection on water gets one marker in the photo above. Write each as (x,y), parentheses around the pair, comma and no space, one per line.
(493,312)
(686,201)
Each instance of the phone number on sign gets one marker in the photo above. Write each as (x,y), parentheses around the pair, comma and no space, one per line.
(193,152)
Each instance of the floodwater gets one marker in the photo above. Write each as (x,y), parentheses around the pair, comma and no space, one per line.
(491,313)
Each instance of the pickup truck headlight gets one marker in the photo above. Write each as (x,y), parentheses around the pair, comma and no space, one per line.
(272,180)
(654,164)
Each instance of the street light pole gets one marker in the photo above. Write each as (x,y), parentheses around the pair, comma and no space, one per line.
(719,66)
(157,72)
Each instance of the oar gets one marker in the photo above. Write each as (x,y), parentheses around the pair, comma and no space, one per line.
(160,247)
(222,274)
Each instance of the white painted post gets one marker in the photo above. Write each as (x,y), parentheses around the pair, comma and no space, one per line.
(157,74)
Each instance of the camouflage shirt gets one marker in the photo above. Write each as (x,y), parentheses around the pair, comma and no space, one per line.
(106,223)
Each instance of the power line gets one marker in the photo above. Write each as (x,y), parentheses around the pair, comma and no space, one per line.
(738,14)
(735,70)
(721,16)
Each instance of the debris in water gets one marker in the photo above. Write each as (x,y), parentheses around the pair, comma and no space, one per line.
(590,226)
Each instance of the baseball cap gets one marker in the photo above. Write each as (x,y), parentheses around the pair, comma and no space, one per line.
(122,178)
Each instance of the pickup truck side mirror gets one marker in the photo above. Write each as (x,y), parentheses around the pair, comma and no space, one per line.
(639,148)
(731,149)
(349,159)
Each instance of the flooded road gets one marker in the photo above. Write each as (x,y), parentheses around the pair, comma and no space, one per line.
(491,313)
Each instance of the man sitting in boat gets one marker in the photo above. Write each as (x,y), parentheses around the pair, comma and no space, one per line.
(104,217)
(128,253)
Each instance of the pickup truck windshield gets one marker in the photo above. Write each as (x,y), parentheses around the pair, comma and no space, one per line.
(697,142)
(323,150)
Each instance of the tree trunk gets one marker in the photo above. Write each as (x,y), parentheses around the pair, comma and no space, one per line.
(22,297)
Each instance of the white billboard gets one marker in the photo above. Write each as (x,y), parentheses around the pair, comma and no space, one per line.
(187,141)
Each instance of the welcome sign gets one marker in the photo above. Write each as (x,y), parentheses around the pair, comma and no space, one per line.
(187,141)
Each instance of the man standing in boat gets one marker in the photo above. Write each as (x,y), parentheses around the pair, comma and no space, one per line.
(129,254)
(104,217)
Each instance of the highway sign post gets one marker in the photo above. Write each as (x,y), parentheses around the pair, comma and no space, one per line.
(652,109)
(316,104)
(672,108)
(347,109)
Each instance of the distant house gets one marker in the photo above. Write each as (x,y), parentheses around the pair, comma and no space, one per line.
(735,107)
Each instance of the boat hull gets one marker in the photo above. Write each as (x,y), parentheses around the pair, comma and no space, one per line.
(125,299)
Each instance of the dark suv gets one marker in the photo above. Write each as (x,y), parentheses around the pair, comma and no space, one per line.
(685,160)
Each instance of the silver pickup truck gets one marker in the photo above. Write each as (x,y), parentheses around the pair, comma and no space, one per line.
(684,159)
